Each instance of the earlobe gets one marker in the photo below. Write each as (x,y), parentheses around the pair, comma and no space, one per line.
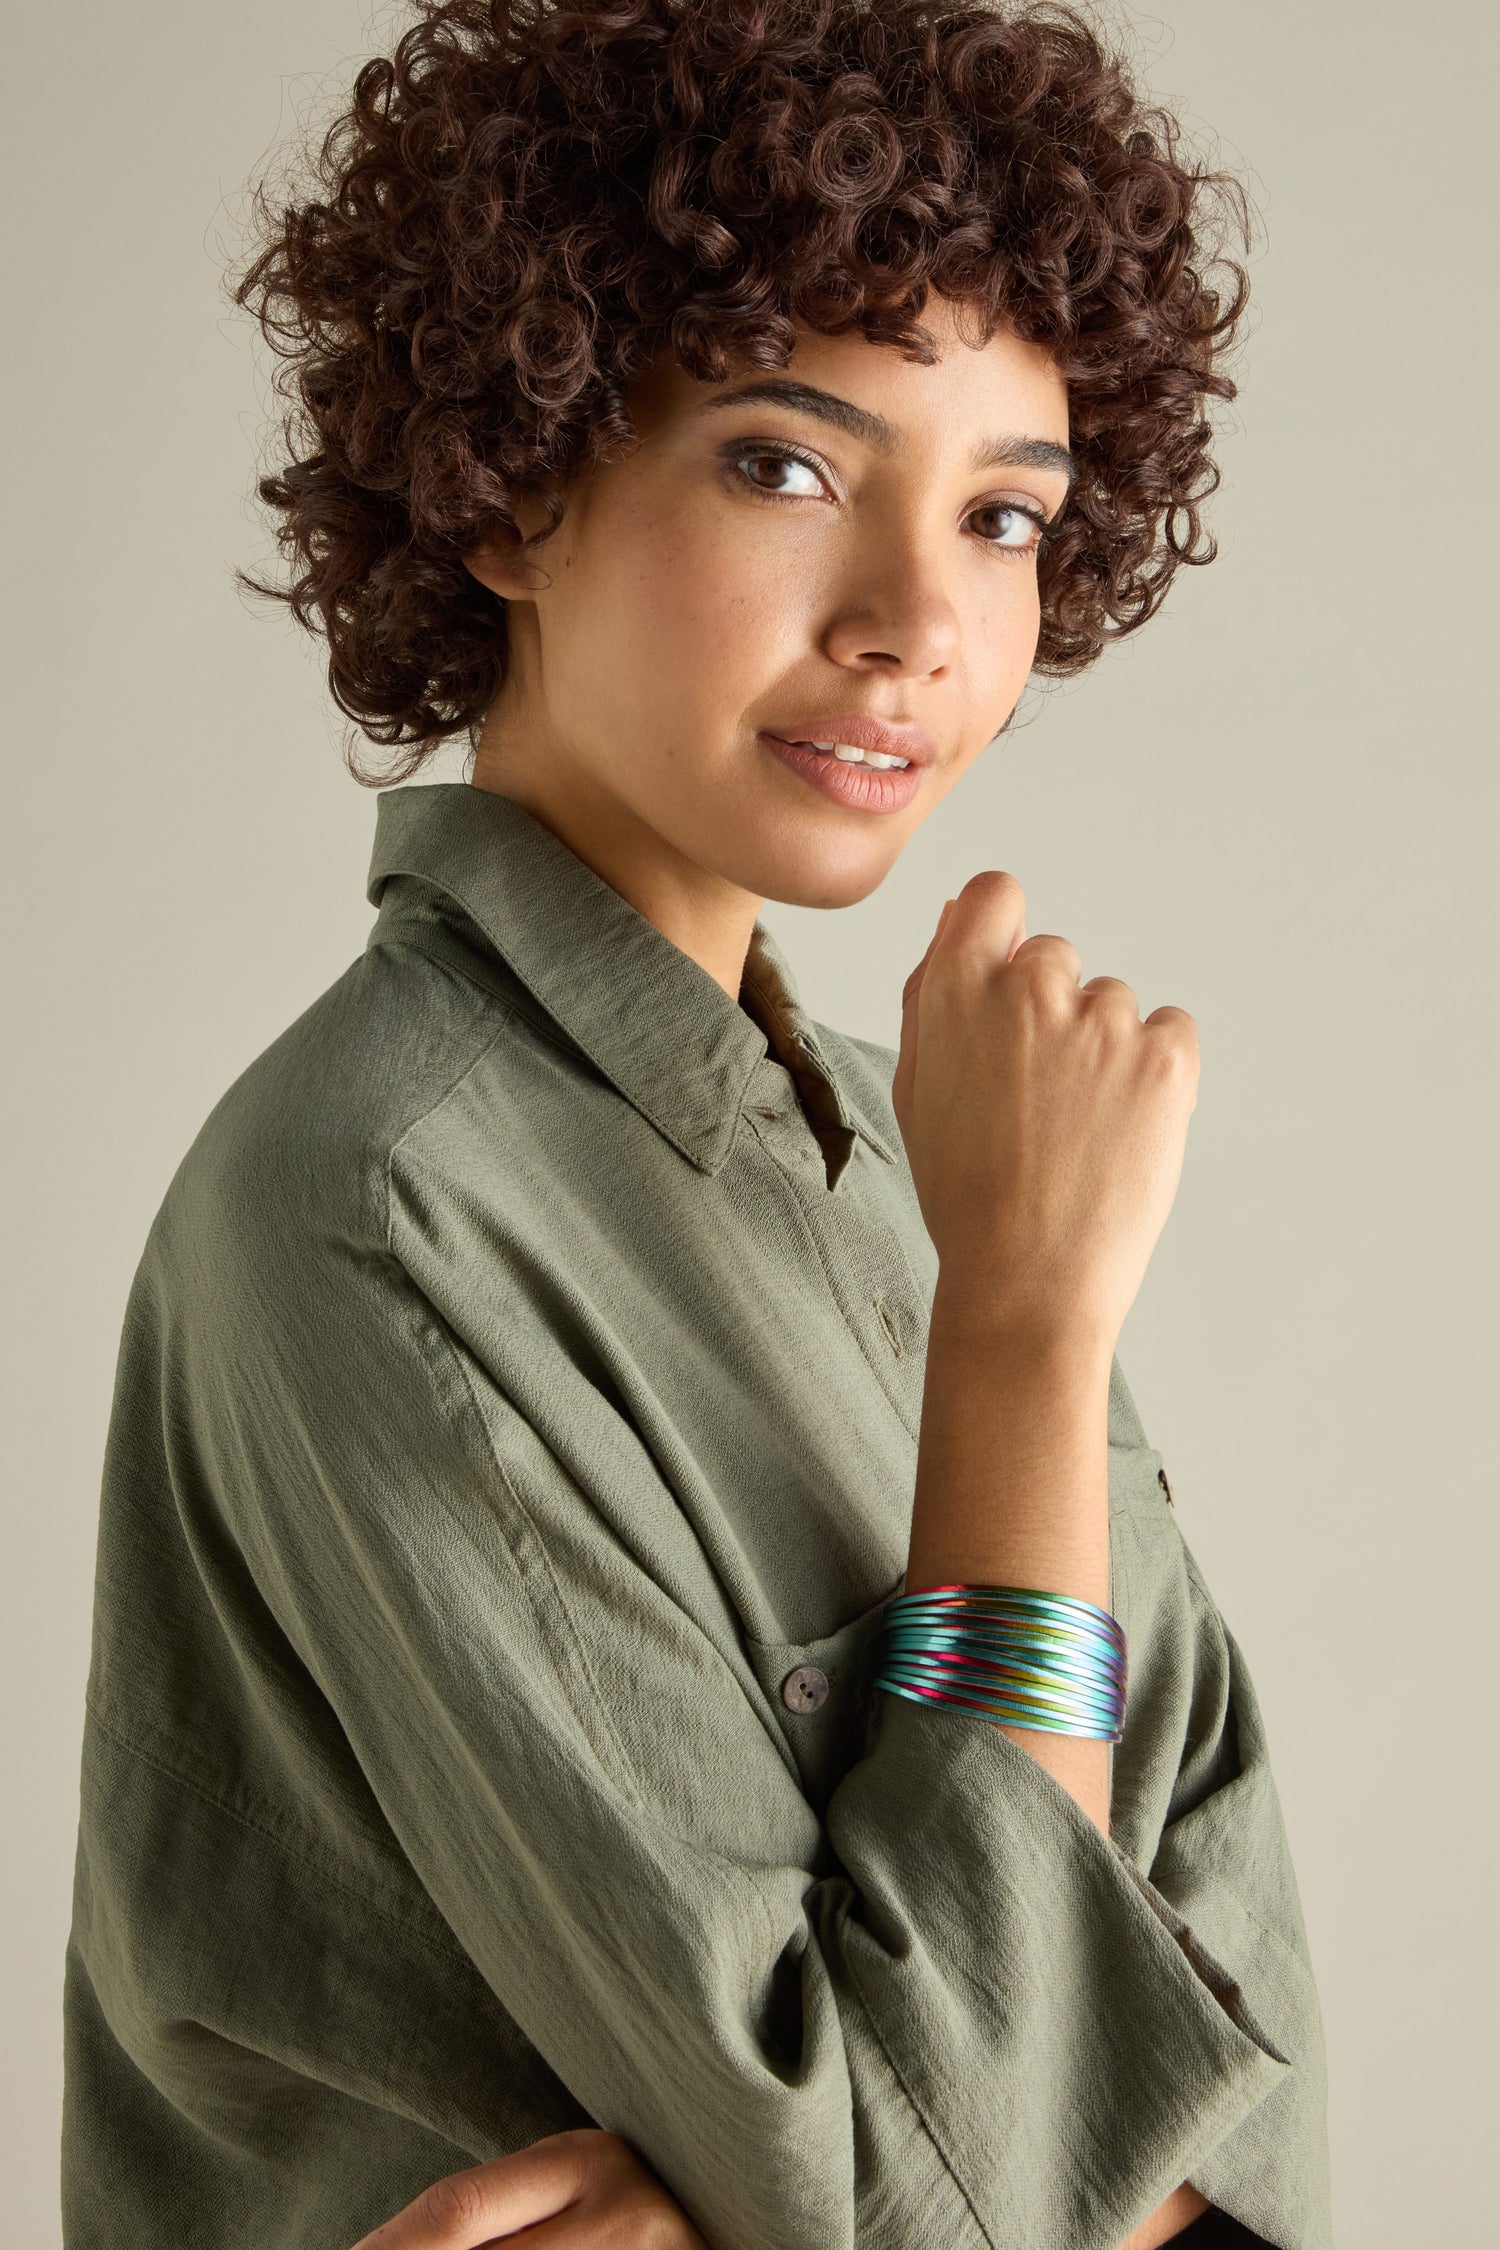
(501,560)
(500,565)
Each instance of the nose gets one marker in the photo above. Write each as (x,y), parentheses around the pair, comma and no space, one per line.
(896,617)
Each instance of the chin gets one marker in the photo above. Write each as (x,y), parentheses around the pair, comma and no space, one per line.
(822,879)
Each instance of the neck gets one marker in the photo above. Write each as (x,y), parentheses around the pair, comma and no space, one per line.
(705,916)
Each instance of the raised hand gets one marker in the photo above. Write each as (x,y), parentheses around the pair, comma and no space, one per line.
(1044,1122)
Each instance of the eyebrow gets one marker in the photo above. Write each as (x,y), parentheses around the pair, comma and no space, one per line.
(884,436)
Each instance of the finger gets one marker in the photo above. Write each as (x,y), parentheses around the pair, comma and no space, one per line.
(989,915)
(1047,950)
(579,2230)
(1176,1025)
(1112,988)
(1174,1019)
(637,2210)
(1177,1031)
(467,2209)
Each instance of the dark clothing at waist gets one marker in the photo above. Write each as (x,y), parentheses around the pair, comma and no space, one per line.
(1215,2230)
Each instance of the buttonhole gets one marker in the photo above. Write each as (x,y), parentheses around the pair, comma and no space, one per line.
(888,1322)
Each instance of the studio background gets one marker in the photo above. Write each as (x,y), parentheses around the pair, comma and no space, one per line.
(1276,808)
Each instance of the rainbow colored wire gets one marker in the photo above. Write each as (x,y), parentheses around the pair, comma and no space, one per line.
(1014,1653)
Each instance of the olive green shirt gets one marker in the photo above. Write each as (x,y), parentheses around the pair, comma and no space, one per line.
(521,1381)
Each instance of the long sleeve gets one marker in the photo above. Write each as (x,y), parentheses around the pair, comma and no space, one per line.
(1195,1805)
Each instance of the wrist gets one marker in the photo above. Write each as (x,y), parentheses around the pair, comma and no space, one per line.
(1065,1340)
(1012,1483)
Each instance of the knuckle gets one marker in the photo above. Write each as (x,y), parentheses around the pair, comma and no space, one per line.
(614,2155)
(658,2225)
(1043,971)
(618,2174)
(582,2137)
(1029,958)
(457,2201)
(631,2220)
(593,2154)
(1175,1052)
(1044,949)
(1111,988)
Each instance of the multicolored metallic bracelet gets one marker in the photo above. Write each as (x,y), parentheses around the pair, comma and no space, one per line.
(1019,1654)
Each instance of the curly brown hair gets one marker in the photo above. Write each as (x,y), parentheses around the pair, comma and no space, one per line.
(529,201)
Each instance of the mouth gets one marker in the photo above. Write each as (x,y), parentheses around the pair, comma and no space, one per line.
(849,754)
(858,739)
(880,770)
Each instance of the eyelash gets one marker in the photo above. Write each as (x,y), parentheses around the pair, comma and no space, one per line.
(781,451)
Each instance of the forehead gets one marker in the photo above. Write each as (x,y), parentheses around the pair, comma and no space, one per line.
(973,390)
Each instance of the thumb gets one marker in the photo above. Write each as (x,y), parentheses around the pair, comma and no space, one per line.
(906,1059)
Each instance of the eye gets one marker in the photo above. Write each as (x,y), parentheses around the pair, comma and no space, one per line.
(1010,527)
(779,472)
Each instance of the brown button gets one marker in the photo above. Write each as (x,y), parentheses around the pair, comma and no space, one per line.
(1161,1478)
(804,1689)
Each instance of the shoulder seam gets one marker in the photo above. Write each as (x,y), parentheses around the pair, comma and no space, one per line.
(435,1104)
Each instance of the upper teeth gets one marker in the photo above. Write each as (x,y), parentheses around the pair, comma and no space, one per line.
(853,757)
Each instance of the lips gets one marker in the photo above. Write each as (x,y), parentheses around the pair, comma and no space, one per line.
(902,739)
(854,785)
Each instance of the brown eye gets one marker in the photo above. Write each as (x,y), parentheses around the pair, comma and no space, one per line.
(783,474)
(1002,524)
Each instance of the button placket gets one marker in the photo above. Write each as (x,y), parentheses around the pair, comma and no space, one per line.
(868,1272)
(780,1121)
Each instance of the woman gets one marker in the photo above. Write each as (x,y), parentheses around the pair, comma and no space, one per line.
(525,1785)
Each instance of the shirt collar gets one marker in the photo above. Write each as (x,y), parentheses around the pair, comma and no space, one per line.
(663,1032)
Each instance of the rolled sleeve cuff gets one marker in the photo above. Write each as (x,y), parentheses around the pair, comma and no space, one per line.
(1072,2046)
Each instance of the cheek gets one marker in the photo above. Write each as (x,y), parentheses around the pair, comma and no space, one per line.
(684,599)
(1026,626)
(1001,634)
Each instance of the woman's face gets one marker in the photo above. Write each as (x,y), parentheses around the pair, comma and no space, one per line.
(840,552)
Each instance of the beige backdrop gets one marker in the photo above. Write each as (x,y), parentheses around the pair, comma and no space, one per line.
(1276,810)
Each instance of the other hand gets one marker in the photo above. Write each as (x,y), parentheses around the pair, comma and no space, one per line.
(580,2190)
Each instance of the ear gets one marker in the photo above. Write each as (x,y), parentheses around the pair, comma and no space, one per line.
(500,564)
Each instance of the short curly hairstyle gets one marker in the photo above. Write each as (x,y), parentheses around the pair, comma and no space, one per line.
(529,201)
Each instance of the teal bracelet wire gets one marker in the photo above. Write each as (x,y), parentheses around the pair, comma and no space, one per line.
(1019,1654)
